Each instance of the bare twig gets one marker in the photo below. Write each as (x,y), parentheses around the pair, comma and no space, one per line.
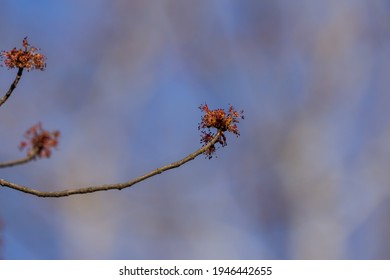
(12,87)
(18,161)
(119,186)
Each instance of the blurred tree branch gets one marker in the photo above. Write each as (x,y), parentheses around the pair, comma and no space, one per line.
(24,160)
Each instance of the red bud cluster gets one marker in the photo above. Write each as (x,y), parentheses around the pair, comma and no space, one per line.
(220,120)
(26,58)
(40,141)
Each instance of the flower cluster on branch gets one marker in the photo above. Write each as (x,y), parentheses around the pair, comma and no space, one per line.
(39,141)
(27,58)
(220,120)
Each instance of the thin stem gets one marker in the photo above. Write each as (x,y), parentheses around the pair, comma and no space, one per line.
(107,187)
(12,87)
(18,161)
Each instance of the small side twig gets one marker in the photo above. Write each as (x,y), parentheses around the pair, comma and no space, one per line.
(12,87)
(18,161)
(119,186)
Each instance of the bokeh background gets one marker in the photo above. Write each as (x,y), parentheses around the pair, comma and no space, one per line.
(307,179)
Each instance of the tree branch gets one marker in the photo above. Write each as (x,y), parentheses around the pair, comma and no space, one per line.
(119,186)
(12,87)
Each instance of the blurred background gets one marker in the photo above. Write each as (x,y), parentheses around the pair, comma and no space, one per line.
(307,179)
